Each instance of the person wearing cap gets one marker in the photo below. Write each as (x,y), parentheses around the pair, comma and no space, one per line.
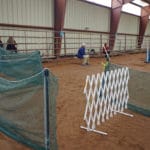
(82,54)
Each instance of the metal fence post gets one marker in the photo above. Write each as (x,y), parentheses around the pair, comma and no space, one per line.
(46,109)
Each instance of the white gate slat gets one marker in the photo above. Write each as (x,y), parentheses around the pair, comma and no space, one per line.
(106,94)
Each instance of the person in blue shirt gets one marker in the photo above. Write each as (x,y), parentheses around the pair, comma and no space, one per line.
(81,51)
(82,55)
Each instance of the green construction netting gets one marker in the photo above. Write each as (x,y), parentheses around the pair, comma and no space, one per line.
(139,85)
(19,66)
(4,52)
(22,99)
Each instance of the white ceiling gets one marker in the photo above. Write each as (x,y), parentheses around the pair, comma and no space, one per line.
(133,8)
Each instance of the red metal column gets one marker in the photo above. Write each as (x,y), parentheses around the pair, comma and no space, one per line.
(115,18)
(145,12)
(59,16)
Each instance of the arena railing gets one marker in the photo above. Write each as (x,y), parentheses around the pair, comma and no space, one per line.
(29,40)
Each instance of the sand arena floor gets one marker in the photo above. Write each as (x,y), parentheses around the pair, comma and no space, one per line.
(125,133)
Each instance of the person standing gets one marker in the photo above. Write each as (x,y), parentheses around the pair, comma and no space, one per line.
(106,51)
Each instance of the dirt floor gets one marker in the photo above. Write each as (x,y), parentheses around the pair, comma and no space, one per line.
(124,133)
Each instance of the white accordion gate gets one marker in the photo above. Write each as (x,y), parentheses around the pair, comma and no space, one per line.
(106,94)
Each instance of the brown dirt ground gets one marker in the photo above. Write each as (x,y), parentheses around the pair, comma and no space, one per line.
(124,133)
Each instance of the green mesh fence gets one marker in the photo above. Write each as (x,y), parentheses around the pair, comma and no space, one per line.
(22,107)
(4,52)
(19,66)
(139,85)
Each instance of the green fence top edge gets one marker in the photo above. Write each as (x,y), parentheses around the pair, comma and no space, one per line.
(138,109)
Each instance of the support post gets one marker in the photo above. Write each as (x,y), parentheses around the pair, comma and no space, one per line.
(46,109)
(145,12)
(114,20)
(147,55)
(125,48)
(59,17)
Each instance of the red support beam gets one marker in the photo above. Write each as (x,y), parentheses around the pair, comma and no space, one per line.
(115,18)
(59,16)
(145,12)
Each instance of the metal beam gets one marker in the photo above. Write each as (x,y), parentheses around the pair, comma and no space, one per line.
(145,12)
(147,1)
(115,18)
(59,16)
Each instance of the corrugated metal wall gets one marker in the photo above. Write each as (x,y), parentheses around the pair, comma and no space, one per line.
(84,16)
(29,39)
(81,15)
(27,12)
(73,41)
(126,42)
(146,41)
(147,32)
(128,24)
